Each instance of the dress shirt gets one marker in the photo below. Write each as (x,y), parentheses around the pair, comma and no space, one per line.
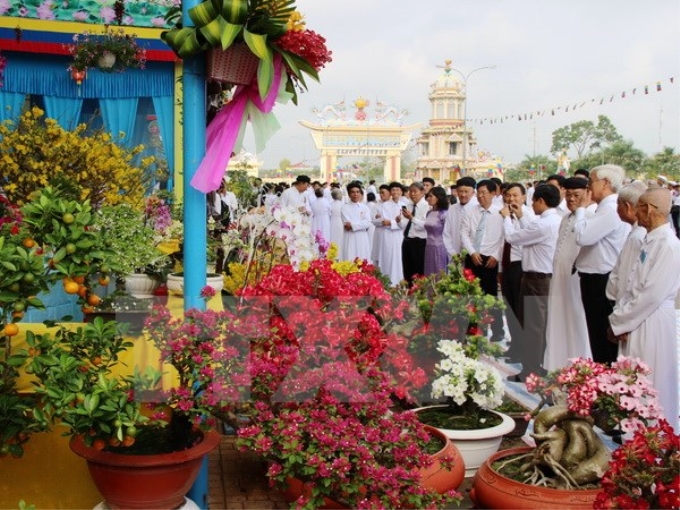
(516,249)
(418,222)
(562,209)
(601,237)
(492,241)
(538,239)
(454,220)
(291,197)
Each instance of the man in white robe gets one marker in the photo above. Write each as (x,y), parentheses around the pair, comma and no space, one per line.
(393,224)
(566,333)
(356,220)
(620,277)
(643,321)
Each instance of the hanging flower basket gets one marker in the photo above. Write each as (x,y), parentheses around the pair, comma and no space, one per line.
(236,65)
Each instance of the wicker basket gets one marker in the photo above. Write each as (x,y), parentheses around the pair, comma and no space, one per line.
(236,65)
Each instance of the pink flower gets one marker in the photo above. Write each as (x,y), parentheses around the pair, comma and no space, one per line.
(45,10)
(107,14)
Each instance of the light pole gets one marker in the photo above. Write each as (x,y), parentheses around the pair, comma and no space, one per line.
(465,78)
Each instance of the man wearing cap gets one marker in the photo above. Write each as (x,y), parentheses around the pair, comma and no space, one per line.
(296,196)
(643,322)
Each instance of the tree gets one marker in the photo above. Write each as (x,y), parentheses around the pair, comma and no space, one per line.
(533,168)
(584,136)
(624,154)
(665,163)
(37,152)
(284,165)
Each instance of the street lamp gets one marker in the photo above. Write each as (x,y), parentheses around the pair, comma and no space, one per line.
(465,78)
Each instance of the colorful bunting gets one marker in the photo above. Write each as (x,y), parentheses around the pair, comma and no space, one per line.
(525,116)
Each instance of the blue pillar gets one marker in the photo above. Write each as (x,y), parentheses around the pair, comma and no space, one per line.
(195,221)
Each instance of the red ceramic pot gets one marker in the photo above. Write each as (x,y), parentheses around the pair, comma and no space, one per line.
(145,481)
(491,490)
(437,477)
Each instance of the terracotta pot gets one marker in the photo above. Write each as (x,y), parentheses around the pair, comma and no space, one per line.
(491,490)
(477,445)
(434,477)
(145,481)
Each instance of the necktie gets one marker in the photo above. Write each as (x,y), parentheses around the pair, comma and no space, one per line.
(408,225)
(479,234)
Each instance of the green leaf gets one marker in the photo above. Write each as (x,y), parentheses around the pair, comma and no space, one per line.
(257,44)
(265,76)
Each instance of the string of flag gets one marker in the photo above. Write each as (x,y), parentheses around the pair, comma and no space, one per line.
(609,98)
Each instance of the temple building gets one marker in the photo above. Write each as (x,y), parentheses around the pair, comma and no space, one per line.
(447,147)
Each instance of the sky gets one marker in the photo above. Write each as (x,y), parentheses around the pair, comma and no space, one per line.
(549,55)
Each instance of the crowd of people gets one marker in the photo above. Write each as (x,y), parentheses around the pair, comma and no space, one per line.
(587,264)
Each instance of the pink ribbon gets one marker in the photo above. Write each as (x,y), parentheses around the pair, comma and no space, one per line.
(223,132)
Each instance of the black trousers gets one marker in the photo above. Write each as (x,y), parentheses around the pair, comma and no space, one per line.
(511,279)
(488,281)
(413,257)
(598,308)
(533,316)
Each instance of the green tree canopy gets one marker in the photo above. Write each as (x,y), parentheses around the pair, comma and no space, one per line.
(583,137)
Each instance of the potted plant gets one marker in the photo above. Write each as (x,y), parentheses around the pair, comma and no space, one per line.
(453,306)
(113,50)
(140,263)
(644,471)
(570,458)
(49,240)
(472,389)
(305,372)
(136,461)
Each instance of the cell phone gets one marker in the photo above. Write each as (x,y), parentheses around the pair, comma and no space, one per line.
(403,208)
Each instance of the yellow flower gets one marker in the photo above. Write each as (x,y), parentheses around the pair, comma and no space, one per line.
(296,22)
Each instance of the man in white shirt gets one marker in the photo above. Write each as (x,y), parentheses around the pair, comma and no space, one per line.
(621,275)
(558,181)
(296,196)
(511,269)
(538,239)
(566,333)
(415,235)
(601,237)
(482,238)
(465,187)
(356,219)
(644,320)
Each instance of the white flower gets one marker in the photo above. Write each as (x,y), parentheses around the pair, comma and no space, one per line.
(462,378)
